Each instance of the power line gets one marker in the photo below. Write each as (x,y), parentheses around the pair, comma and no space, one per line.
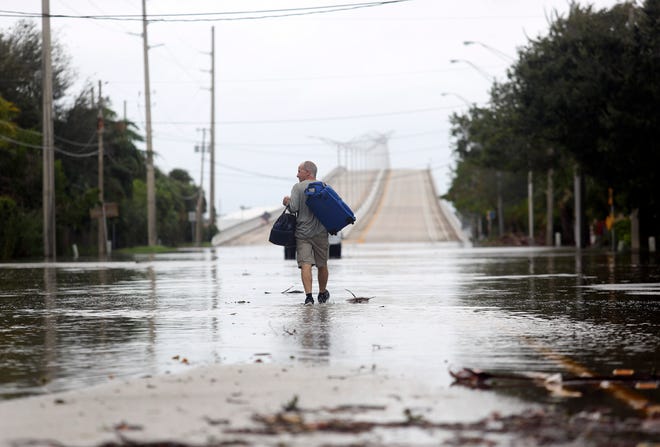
(87,145)
(57,149)
(213,16)
(339,76)
(296,79)
(245,171)
(327,118)
(164,136)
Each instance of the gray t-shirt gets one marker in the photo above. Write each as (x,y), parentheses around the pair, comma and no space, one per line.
(307,225)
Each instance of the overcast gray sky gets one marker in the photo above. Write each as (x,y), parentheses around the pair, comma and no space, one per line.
(281,81)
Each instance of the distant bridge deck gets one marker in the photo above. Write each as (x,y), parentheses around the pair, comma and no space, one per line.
(399,205)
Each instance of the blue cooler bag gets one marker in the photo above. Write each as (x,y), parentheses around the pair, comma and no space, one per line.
(328,207)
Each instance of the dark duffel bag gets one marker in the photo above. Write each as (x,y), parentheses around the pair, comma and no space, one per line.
(284,229)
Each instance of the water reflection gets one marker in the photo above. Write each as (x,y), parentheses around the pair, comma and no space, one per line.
(151,314)
(314,331)
(50,325)
(67,325)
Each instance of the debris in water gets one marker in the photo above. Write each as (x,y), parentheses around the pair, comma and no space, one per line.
(554,383)
(123,426)
(357,299)
(212,421)
(292,405)
(379,347)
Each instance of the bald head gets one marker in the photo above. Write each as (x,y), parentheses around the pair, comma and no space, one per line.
(306,171)
(310,167)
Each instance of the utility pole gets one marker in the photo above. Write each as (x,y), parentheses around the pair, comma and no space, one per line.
(500,206)
(48,141)
(151,181)
(549,217)
(530,206)
(102,233)
(200,195)
(212,144)
(577,192)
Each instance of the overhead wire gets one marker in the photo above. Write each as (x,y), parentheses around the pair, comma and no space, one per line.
(317,10)
(327,118)
(217,16)
(55,148)
(283,144)
(62,139)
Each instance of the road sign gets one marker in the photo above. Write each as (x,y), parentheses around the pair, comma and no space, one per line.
(111,210)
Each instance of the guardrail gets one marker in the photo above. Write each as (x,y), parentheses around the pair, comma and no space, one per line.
(366,206)
(245,226)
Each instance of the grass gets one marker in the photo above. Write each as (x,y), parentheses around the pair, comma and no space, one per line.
(145,249)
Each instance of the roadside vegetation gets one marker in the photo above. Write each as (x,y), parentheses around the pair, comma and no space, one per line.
(76,166)
(579,106)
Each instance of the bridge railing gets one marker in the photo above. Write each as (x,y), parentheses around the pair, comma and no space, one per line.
(247,225)
(369,203)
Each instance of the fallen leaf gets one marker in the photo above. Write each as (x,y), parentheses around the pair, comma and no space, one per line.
(359,300)
(556,389)
(212,421)
(123,426)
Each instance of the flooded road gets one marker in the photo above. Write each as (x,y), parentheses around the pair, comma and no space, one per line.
(433,307)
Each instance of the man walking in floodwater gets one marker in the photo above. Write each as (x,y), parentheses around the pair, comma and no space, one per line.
(311,235)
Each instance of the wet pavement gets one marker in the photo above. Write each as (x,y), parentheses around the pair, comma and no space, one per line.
(432,308)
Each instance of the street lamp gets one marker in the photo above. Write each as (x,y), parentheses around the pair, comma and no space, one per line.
(502,55)
(338,144)
(481,71)
(462,98)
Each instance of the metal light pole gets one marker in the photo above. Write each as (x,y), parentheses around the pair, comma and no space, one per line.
(48,141)
(198,209)
(151,180)
(212,144)
(530,206)
(502,55)
(343,187)
(462,98)
(481,71)
(102,232)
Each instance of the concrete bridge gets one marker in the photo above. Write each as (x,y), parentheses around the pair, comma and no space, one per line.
(391,205)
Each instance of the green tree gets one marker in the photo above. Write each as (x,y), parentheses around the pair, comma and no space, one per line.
(593,81)
(76,165)
(585,94)
(21,67)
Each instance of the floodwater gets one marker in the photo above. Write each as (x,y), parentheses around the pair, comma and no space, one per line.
(433,307)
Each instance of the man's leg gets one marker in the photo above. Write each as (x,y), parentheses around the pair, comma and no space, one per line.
(306,275)
(323,278)
(305,258)
(320,244)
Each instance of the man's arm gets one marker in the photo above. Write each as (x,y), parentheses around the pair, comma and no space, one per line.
(294,200)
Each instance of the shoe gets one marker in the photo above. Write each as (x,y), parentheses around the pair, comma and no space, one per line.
(309,300)
(324,297)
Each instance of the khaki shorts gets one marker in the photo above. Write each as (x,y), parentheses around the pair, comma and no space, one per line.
(313,250)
